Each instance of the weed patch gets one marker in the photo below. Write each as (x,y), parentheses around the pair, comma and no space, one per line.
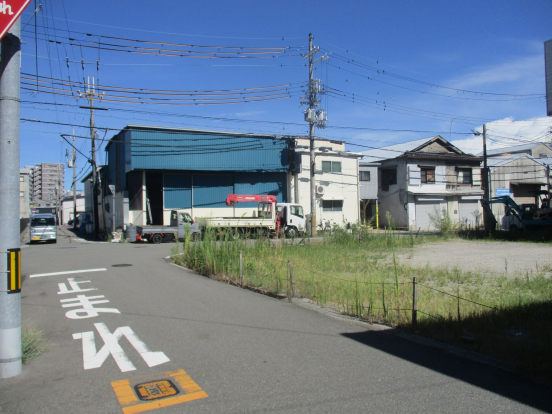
(33,343)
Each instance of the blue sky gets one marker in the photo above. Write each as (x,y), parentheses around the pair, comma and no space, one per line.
(409,64)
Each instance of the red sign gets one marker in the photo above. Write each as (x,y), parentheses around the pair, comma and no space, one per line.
(9,12)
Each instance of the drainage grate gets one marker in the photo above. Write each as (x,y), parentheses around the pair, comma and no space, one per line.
(121,265)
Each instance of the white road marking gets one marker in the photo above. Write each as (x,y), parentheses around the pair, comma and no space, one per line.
(87,310)
(93,359)
(68,272)
(74,287)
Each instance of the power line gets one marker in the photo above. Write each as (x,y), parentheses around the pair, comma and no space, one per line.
(432,85)
(430,93)
(279,123)
(177,34)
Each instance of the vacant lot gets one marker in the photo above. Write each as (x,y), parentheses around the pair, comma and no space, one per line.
(498,258)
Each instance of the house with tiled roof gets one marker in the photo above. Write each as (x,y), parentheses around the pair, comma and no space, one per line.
(418,178)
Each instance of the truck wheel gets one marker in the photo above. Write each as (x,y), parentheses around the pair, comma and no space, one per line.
(156,238)
(291,232)
(235,234)
(195,237)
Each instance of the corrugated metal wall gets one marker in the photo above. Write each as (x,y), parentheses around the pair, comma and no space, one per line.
(177,190)
(112,163)
(118,160)
(268,183)
(211,190)
(207,152)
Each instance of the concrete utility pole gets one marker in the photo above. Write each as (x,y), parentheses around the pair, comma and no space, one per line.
(91,94)
(548,184)
(10,303)
(74,184)
(312,117)
(486,192)
(311,138)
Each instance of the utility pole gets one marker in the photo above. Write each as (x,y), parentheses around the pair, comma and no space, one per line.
(548,184)
(313,117)
(10,301)
(74,184)
(91,94)
(72,163)
(486,188)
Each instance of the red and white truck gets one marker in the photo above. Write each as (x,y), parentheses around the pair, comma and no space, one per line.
(270,218)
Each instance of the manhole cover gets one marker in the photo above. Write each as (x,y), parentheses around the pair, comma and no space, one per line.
(156,389)
(121,265)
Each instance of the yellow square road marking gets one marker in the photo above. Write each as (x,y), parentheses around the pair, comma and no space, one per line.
(140,394)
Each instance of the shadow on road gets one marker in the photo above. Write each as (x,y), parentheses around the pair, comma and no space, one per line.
(485,377)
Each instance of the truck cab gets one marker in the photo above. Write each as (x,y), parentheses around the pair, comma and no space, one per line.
(292,219)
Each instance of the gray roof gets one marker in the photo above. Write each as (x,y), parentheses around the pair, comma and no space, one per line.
(495,162)
(513,149)
(392,151)
(543,161)
(504,159)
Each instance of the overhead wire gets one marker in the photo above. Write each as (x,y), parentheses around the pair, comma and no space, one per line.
(241,120)
(180,34)
(431,85)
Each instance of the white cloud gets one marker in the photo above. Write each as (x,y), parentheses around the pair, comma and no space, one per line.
(508,132)
(522,71)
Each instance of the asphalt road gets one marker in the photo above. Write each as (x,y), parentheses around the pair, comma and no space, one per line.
(245,353)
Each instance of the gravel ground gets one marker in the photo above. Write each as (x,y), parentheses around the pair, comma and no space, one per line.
(482,257)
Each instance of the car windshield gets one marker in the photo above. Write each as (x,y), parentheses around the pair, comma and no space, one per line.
(43,221)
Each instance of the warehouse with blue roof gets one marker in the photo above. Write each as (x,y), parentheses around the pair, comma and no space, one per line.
(152,170)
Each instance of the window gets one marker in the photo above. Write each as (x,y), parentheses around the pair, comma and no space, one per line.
(43,221)
(22,194)
(331,166)
(543,156)
(428,175)
(364,175)
(296,211)
(465,176)
(388,177)
(185,218)
(21,178)
(332,205)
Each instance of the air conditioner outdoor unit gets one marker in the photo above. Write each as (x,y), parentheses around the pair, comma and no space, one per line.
(319,189)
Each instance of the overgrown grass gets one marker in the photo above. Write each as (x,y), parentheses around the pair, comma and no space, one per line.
(33,343)
(357,273)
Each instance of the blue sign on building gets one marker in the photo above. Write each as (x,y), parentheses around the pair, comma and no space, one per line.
(501,192)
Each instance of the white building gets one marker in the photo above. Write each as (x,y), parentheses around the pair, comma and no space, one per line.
(419,178)
(25,191)
(337,186)
(67,211)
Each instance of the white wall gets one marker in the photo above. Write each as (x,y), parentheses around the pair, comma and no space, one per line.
(337,186)
(67,209)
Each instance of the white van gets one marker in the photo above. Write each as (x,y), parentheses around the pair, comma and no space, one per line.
(43,228)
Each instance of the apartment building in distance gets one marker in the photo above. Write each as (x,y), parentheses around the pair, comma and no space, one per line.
(25,187)
(47,180)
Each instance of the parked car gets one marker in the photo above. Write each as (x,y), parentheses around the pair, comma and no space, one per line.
(43,228)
